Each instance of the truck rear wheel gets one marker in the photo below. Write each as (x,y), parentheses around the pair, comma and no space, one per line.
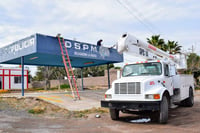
(114,114)
(163,113)
(189,102)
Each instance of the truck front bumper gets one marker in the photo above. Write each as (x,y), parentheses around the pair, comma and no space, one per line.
(132,105)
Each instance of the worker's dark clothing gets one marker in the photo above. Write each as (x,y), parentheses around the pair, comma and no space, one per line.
(99,42)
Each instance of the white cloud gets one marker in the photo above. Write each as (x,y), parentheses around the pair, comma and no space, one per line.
(186,39)
(11,9)
(155,10)
(92,19)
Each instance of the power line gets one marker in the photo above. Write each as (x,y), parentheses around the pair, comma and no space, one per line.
(133,15)
(147,24)
(142,17)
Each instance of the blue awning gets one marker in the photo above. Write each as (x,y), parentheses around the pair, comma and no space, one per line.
(44,50)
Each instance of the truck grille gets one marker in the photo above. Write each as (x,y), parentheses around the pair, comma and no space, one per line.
(128,88)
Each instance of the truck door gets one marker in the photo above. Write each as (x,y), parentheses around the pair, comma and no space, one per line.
(168,79)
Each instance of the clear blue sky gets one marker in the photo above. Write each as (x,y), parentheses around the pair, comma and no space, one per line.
(90,20)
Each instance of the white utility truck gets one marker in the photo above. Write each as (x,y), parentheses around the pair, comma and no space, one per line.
(153,85)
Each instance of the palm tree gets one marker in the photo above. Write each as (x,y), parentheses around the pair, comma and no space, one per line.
(157,42)
(173,47)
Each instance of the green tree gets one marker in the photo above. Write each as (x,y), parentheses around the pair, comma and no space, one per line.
(29,76)
(193,64)
(44,73)
(157,42)
(39,75)
(58,73)
(47,72)
(92,71)
(173,47)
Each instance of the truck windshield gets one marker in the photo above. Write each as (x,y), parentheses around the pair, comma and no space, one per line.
(152,68)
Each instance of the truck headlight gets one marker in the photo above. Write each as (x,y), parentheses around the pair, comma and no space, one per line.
(152,96)
(108,96)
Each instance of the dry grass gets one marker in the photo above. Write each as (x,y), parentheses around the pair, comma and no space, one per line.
(40,107)
(34,106)
(4,91)
(84,113)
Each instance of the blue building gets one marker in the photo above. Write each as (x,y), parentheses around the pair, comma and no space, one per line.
(43,50)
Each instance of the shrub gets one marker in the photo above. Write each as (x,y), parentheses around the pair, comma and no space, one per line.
(37,110)
(64,86)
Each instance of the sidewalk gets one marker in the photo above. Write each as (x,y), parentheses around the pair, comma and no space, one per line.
(89,99)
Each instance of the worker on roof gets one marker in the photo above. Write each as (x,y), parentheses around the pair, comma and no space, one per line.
(99,42)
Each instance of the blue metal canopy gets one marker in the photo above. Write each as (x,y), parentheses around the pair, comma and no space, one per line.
(44,50)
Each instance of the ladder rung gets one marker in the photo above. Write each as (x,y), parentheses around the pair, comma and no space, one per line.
(68,68)
(63,54)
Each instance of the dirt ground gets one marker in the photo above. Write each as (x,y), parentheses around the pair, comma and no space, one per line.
(16,118)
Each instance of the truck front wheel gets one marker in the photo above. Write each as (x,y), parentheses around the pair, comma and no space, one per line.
(114,114)
(163,113)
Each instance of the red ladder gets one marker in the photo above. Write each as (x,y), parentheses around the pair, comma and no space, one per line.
(68,67)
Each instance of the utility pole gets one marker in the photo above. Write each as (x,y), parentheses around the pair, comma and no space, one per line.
(192,49)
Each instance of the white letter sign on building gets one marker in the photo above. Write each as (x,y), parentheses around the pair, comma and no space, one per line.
(19,48)
(87,50)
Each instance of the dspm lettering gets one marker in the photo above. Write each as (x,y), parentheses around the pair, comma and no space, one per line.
(80,46)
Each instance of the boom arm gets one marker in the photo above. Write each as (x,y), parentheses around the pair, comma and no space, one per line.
(133,46)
